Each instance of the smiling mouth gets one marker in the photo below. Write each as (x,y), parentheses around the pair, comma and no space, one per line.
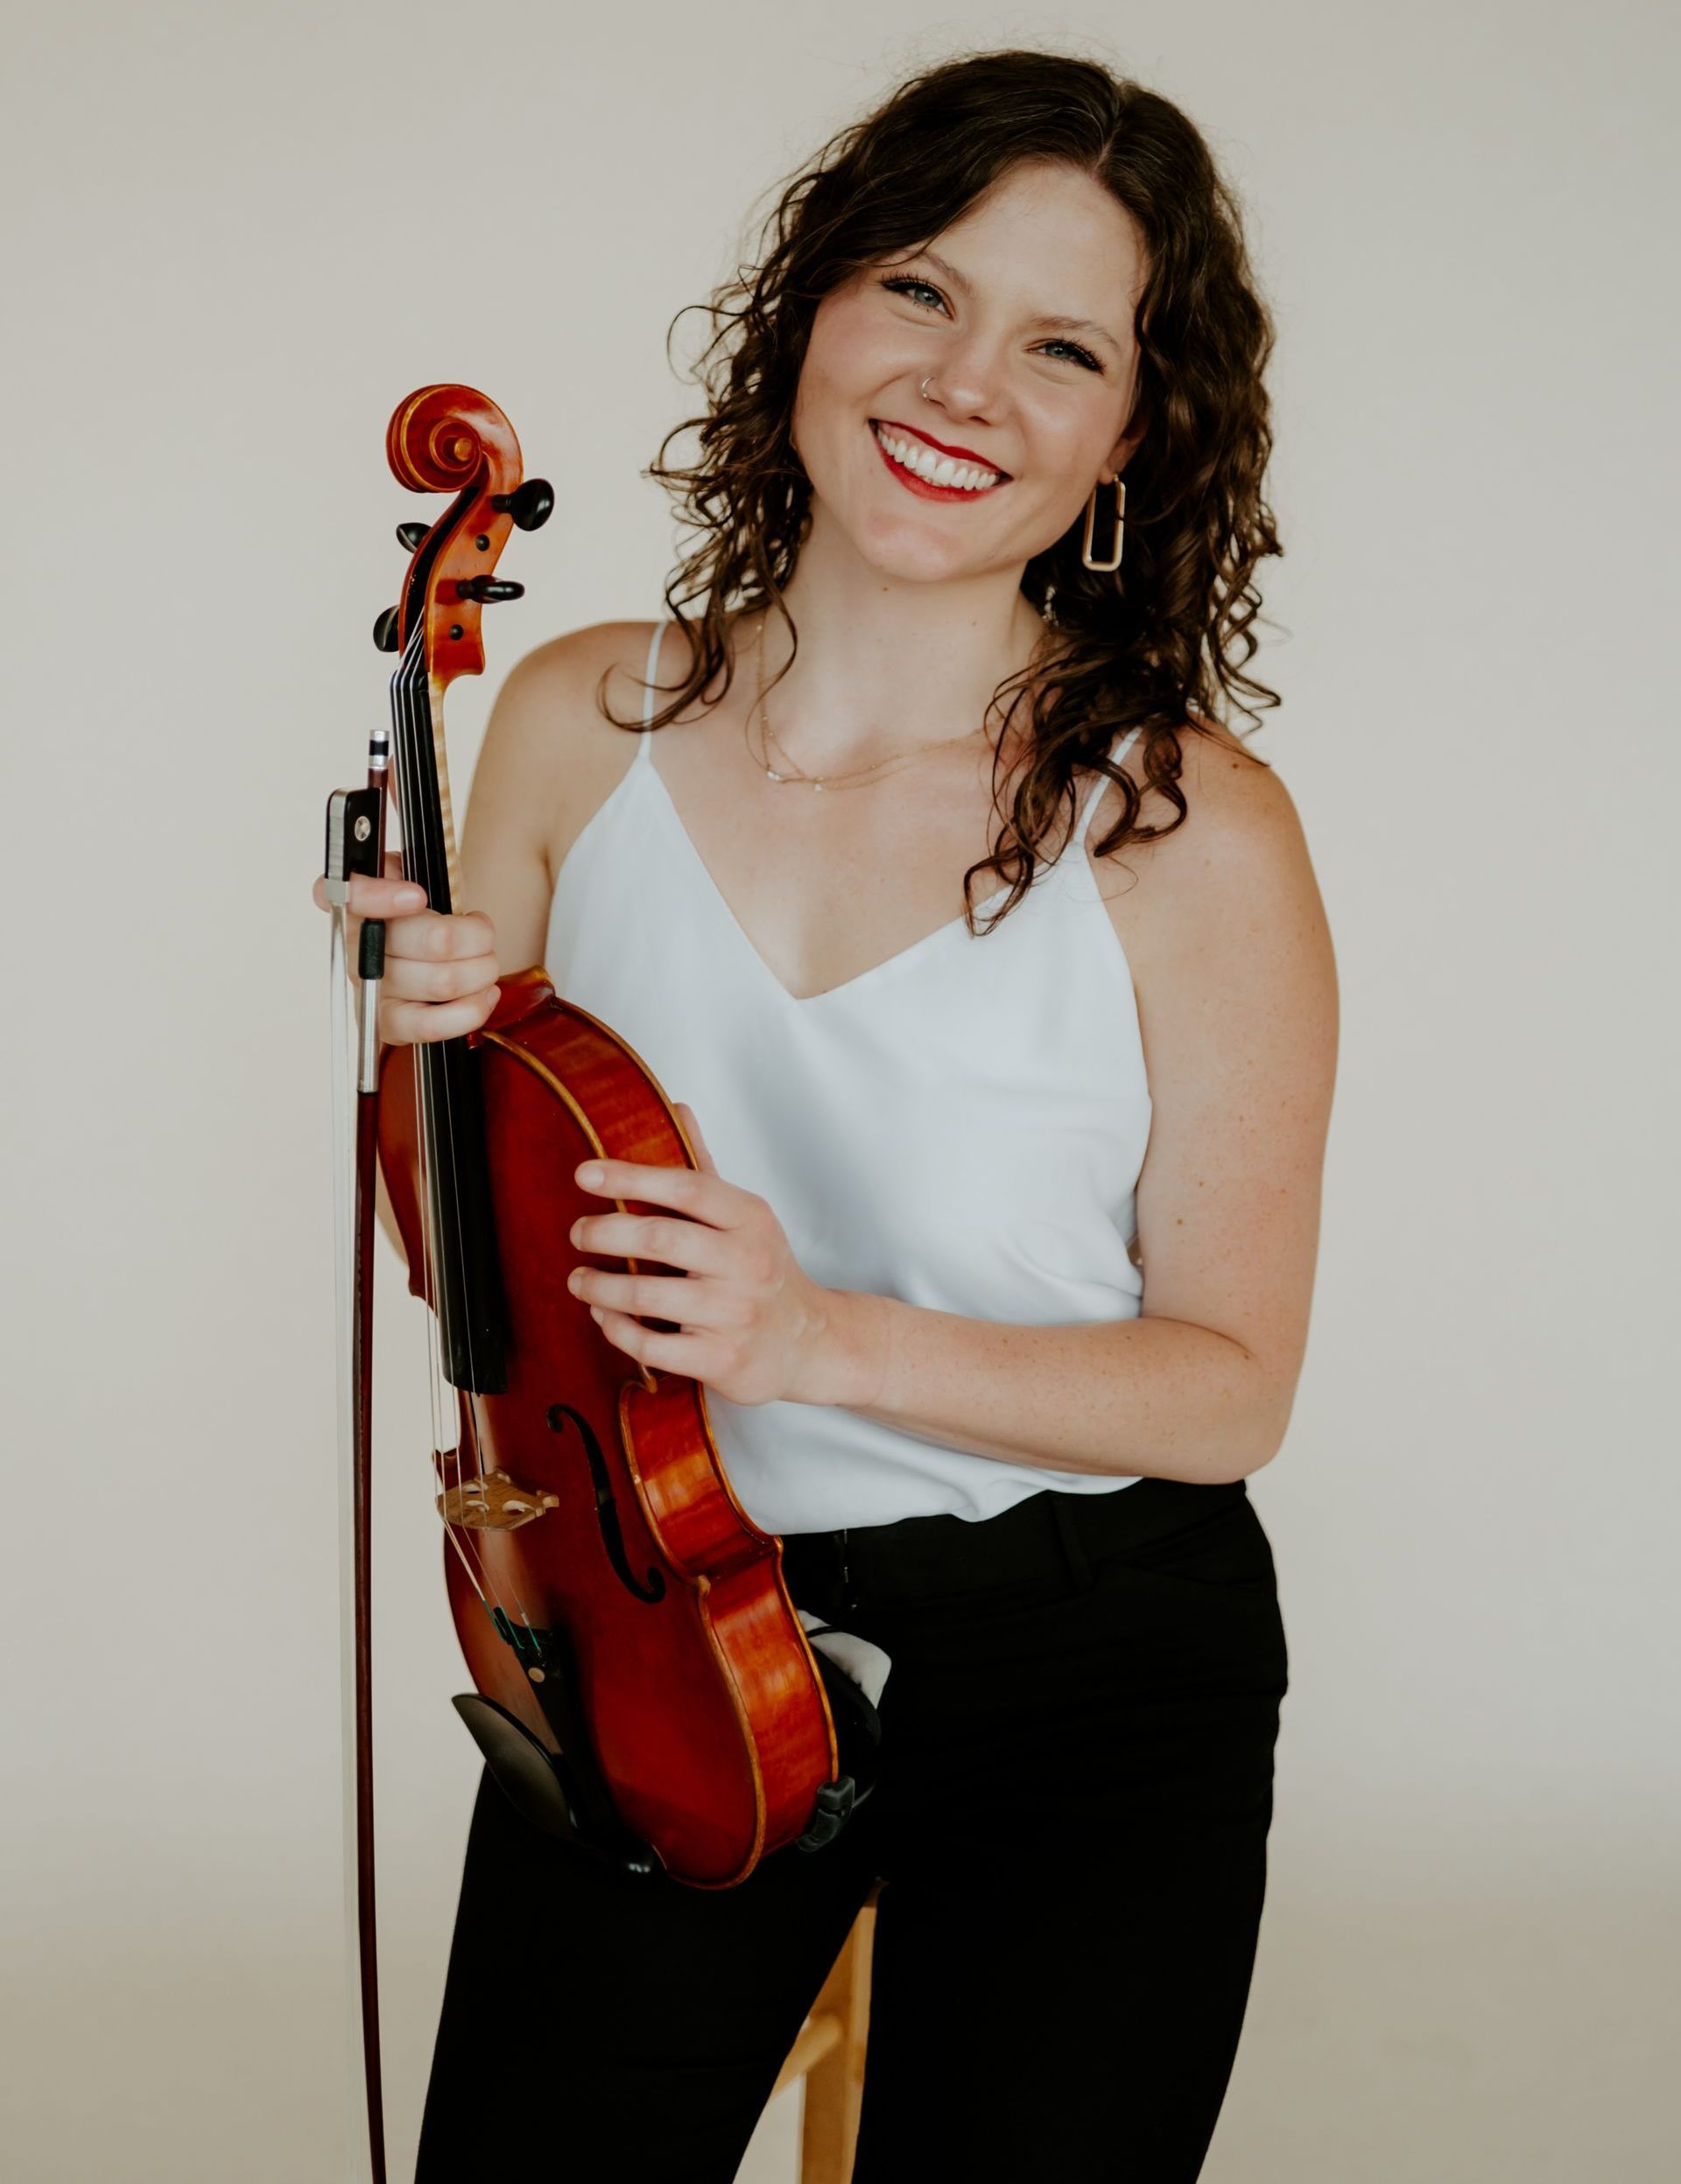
(953,479)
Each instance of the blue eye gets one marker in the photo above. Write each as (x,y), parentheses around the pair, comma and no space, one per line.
(898,283)
(895,286)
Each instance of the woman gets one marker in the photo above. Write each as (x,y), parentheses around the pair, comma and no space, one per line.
(940,1157)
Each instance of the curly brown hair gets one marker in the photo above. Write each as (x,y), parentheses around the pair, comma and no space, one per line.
(1150,644)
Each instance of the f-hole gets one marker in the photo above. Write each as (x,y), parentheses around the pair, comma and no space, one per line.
(607,1509)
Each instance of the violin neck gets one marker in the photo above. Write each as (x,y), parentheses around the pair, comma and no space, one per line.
(466,1281)
(420,782)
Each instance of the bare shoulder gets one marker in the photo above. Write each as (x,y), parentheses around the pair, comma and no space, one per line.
(551,752)
(1240,852)
(1233,967)
(575,663)
(550,758)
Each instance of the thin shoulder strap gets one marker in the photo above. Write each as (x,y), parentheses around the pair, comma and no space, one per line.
(1118,750)
(660,627)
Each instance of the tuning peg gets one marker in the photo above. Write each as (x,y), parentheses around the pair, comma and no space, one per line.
(530,505)
(385,631)
(488,589)
(409,536)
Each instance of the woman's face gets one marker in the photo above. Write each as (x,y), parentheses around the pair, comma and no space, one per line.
(1046,404)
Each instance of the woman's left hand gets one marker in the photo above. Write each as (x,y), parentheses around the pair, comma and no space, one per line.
(755,1326)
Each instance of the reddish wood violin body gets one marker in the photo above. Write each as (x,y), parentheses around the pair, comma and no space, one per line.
(710,1719)
(585,1498)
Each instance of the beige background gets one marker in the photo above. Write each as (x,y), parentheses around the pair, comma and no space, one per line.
(237,236)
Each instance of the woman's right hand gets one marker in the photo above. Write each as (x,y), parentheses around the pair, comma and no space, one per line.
(441,971)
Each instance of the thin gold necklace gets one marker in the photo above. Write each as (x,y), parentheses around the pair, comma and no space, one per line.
(825,781)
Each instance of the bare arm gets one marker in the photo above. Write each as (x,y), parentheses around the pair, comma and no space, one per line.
(1240,1014)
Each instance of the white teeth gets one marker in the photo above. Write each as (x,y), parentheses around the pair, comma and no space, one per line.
(936,469)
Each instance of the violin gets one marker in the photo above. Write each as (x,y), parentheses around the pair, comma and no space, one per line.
(644,1688)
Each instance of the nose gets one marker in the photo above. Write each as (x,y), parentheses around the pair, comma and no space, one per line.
(964,381)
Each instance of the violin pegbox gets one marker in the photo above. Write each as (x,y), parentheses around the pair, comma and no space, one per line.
(450,438)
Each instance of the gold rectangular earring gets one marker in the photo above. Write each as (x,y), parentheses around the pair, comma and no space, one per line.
(1120,485)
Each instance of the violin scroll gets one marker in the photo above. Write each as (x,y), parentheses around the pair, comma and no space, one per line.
(449,438)
(442,437)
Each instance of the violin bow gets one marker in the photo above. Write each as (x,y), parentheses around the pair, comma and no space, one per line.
(356,843)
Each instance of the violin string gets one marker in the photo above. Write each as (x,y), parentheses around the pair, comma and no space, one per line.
(417,718)
(422,694)
(469,1395)
(408,804)
(465,1399)
(441,1399)
(408,794)
(447,1401)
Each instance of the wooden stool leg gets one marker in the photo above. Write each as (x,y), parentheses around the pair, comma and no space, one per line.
(834,2082)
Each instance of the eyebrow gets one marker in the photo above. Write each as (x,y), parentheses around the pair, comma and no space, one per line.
(1061,325)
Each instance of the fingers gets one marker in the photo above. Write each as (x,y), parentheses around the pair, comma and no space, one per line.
(441,971)
(418,1024)
(432,996)
(438,979)
(432,937)
(391,897)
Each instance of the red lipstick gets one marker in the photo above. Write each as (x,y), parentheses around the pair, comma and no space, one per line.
(962,454)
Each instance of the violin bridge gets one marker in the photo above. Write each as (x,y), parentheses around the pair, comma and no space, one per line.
(491,1501)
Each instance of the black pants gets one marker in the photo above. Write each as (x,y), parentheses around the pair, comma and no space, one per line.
(1069,1824)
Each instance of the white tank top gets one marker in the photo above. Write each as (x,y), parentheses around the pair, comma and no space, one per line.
(961,1127)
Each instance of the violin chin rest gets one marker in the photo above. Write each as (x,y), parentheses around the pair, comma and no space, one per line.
(532,1779)
(858,1746)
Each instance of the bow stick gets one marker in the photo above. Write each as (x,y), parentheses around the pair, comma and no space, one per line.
(356,843)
